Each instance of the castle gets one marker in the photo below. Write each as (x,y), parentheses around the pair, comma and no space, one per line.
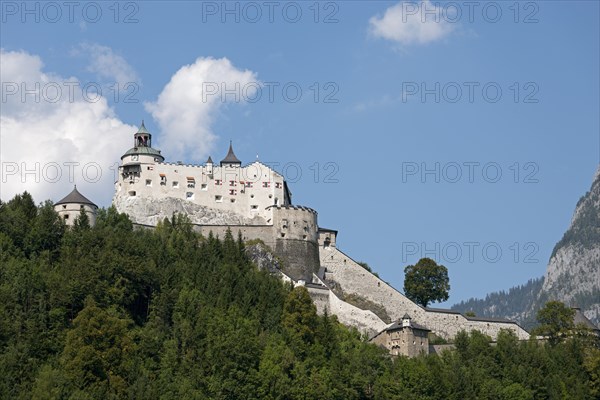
(256,201)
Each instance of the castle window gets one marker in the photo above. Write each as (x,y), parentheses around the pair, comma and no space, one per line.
(156,159)
(251,196)
(132,193)
(175,184)
(191,182)
(204,186)
(266,184)
(277,185)
(282,234)
(254,207)
(248,184)
(64,207)
(163,179)
(218,182)
(284,223)
(148,182)
(150,168)
(303,236)
(189,195)
(232,200)
(219,199)
(270,196)
(232,183)
(66,216)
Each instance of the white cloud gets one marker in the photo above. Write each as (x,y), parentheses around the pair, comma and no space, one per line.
(409,23)
(40,131)
(107,64)
(189,104)
(40,134)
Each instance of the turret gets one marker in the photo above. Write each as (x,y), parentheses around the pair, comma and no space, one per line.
(230,159)
(406,320)
(142,138)
(209,166)
(142,150)
(70,207)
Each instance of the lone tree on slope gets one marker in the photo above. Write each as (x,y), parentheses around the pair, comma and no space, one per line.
(555,322)
(426,282)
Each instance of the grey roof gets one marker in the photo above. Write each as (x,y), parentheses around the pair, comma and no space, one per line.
(209,160)
(142,128)
(580,318)
(490,319)
(142,150)
(75,197)
(230,158)
(406,316)
(327,230)
(440,310)
(398,325)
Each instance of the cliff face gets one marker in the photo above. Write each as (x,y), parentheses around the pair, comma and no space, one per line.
(150,211)
(572,275)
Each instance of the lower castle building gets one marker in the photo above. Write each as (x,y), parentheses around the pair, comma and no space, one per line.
(256,201)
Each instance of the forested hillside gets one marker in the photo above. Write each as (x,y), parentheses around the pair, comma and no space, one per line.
(511,304)
(112,312)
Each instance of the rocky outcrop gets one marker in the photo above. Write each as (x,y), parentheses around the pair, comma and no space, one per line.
(572,275)
(150,211)
(264,258)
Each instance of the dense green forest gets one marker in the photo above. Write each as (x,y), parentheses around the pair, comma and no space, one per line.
(112,312)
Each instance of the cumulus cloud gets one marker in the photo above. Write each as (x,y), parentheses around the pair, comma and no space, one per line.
(107,64)
(409,23)
(52,136)
(189,104)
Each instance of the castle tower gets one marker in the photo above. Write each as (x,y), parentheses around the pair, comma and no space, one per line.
(230,159)
(71,206)
(142,151)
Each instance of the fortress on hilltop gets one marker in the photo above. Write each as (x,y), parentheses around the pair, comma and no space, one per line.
(256,201)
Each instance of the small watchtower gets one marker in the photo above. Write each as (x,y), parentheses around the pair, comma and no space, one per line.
(404,337)
(71,206)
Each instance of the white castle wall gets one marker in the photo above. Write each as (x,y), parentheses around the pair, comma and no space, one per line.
(364,320)
(69,212)
(246,191)
(353,278)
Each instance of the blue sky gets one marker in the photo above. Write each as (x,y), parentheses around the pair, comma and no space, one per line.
(388,91)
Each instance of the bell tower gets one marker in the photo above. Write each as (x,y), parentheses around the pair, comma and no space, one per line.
(142,138)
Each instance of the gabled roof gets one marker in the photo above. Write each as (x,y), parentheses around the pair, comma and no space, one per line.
(580,318)
(209,161)
(75,197)
(230,158)
(398,325)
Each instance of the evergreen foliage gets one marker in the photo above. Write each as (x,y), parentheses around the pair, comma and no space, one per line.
(111,312)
